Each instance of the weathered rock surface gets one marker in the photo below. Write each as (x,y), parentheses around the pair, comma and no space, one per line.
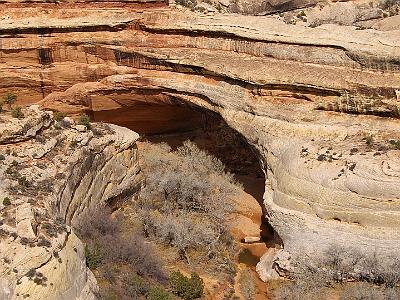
(320,105)
(41,256)
(22,129)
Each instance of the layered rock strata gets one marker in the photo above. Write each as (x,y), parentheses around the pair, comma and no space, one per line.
(51,172)
(319,105)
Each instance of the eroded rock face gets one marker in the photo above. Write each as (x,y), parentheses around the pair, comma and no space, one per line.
(320,105)
(48,179)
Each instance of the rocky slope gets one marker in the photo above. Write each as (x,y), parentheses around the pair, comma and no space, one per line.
(50,172)
(320,105)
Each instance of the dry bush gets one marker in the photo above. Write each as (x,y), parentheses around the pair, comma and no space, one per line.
(105,245)
(97,222)
(365,291)
(342,264)
(339,265)
(187,179)
(186,199)
(299,291)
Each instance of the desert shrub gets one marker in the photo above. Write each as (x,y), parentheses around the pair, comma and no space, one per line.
(187,3)
(96,222)
(84,120)
(247,284)
(73,144)
(185,201)
(364,291)
(2,157)
(299,291)
(338,266)
(387,4)
(395,144)
(6,201)
(59,116)
(43,242)
(106,245)
(94,255)
(369,140)
(159,293)
(134,251)
(1,105)
(10,99)
(17,113)
(182,231)
(187,179)
(136,286)
(23,181)
(187,288)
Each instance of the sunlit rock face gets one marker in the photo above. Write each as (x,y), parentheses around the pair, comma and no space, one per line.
(320,105)
(51,173)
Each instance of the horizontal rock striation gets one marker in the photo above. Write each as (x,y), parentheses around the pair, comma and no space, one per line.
(49,179)
(320,105)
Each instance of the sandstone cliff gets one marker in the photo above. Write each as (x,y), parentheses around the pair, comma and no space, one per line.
(50,172)
(320,105)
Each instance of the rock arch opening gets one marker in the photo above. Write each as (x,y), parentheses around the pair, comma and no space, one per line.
(174,123)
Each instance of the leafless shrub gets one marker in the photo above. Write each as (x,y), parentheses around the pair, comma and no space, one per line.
(364,291)
(380,270)
(187,179)
(186,199)
(185,231)
(95,222)
(102,233)
(340,265)
(299,290)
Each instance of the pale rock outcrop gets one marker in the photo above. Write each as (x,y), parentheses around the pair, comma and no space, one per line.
(50,178)
(22,129)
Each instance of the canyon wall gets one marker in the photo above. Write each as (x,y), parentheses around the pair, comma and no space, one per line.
(51,172)
(320,105)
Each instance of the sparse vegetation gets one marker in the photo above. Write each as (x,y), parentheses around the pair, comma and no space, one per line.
(93,255)
(73,144)
(353,151)
(363,291)
(187,288)
(187,3)
(1,105)
(369,140)
(6,201)
(159,293)
(59,116)
(84,120)
(23,181)
(17,112)
(391,6)
(395,144)
(10,99)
